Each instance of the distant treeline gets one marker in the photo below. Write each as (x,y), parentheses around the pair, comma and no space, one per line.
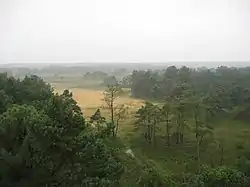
(225,87)
(45,70)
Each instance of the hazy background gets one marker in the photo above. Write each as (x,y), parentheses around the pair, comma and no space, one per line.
(125,31)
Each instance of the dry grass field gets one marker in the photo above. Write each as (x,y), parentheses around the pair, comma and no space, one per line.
(89,100)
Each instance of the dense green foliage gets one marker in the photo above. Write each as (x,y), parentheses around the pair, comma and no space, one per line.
(224,87)
(45,140)
(97,75)
(110,81)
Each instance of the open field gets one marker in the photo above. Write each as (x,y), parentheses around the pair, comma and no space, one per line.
(89,100)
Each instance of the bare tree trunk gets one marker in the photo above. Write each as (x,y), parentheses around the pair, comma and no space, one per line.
(206,117)
(221,154)
(168,134)
(178,135)
(168,131)
(181,128)
(198,153)
(149,133)
(197,135)
(117,126)
(178,129)
(154,124)
(196,124)
(181,137)
(112,112)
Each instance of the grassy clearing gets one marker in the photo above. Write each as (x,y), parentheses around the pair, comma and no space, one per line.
(233,135)
(89,100)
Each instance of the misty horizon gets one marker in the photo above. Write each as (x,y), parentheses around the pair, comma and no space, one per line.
(192,33)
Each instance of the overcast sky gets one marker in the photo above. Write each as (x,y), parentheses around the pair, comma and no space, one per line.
(124,30)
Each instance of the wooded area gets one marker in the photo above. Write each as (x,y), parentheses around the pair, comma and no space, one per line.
(46,140)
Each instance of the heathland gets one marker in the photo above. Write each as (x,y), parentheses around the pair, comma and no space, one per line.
(165,127)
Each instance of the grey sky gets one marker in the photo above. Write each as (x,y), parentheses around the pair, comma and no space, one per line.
(124,30)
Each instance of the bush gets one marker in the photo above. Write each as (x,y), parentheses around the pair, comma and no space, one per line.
(223,176)
(151,178)
(243,164)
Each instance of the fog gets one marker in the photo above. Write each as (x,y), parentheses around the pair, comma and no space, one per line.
(125,31)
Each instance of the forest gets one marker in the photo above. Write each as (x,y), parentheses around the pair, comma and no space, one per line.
(192,130)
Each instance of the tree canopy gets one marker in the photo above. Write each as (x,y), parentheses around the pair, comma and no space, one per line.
(223,88)
(45,141)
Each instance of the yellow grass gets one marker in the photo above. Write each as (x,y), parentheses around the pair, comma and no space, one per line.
(90,100)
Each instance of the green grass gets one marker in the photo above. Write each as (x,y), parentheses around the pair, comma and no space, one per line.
(233,135)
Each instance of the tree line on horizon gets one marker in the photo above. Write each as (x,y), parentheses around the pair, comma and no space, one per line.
(226,88)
